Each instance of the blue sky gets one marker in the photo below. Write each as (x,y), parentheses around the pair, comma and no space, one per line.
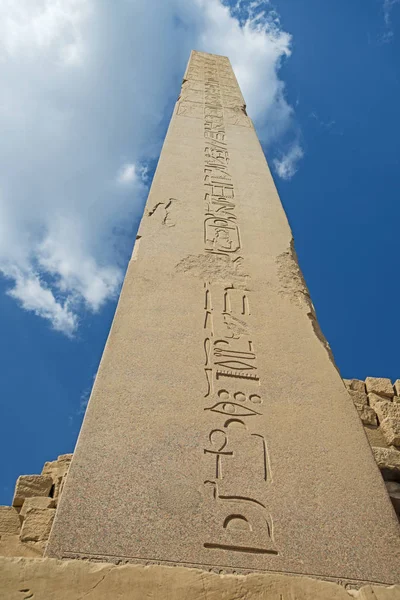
(89,89)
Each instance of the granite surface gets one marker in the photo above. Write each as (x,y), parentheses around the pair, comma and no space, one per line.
(219,433)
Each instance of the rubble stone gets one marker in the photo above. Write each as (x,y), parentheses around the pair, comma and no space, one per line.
(373,399)
(37,524)
(375,437)
(367,414)
(57,468)
(391,430)
(28,486)
(10,522)
(387,409)
(388,459)
(379,385)
(355,385)
(359,397)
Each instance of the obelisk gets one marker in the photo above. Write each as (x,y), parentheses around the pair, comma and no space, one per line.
(219,433)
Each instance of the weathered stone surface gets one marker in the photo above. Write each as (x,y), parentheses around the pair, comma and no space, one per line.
(390,428)
(37,524)
(58,468)
(219,431)
(31,485)
(387,409)
(367,414)
(396,399)
(10,521)
(48,579)
(374,399)
(51,469)
(65,457)
(387,458)
(36,502)
(396,386)
(379,385)
(375,437)
(359,397)
(355,385)
(11,545)
(393,488)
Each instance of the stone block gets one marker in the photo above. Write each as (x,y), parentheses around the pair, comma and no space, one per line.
(358,397)
(36,502)
(356,385)
(396,386)
(10,522)
(387,409)
(375,437)
(393,488)
(37,524)
(387,459)
(391,430)
(49,579)
(65,457)
(374,399)
(57,468)
(58,486)
(50,467)
(11,545)
(380,385)
(396,399)
(28,486)
(367,414)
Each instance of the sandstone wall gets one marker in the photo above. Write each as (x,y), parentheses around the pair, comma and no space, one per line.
(50,579)
(377,401)
(25,526)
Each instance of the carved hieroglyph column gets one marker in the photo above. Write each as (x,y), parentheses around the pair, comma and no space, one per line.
(219,432)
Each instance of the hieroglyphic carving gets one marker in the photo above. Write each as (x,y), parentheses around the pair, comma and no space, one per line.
(190,109)
(237,116)
(232,101)
(230,347)
(233,403)
(244,524)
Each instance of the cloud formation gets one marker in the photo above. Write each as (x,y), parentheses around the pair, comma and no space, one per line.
(286,166)
(88,87)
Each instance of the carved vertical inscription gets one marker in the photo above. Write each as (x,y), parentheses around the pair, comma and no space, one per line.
(232,401)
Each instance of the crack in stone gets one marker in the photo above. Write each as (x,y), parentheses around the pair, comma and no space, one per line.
(96,584)
(167,219)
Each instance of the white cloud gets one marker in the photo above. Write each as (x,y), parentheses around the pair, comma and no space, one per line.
(44,25)
(35,296)
(85,85)
(127,174)
(286,166)
(255,47)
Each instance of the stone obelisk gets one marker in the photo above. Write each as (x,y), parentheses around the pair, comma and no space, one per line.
(219,433)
